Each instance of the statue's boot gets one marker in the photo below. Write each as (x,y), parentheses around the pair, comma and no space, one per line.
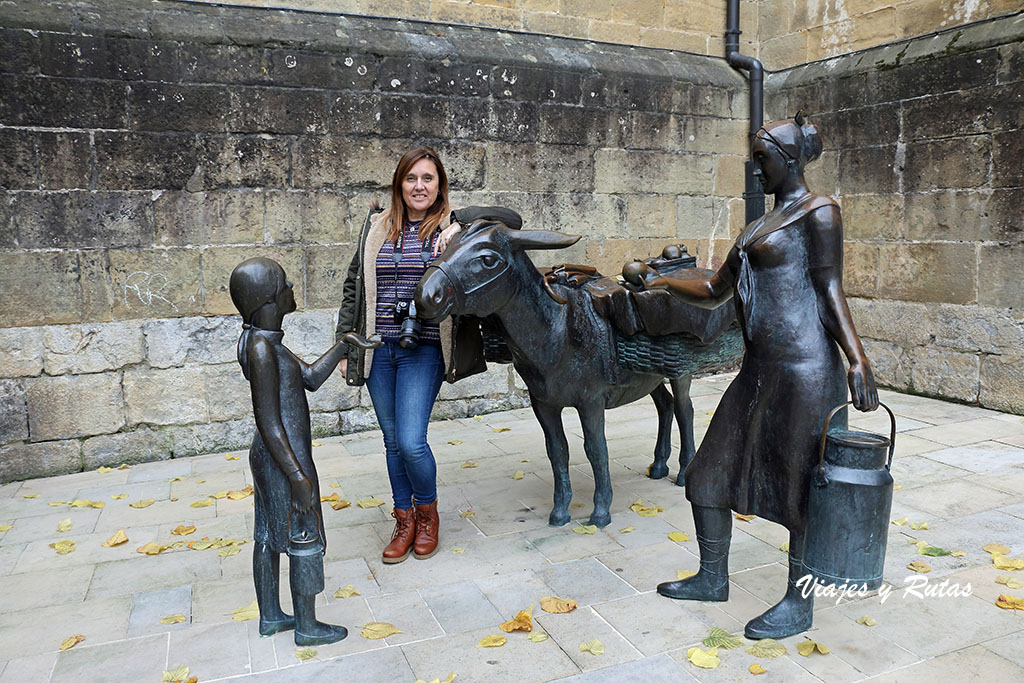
(711,582)
(309,631)
(794,613)
(266,573)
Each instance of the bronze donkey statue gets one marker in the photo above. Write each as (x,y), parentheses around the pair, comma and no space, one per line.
(566,354)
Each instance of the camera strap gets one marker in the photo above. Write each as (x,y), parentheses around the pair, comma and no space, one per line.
(399,253)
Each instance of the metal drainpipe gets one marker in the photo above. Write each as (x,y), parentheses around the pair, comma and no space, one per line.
(753,196)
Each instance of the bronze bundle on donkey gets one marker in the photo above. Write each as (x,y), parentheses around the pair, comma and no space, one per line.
(287,492)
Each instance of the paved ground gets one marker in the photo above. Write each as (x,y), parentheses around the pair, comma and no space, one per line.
(960,469)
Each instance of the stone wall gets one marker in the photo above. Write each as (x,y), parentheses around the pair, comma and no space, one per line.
(148,147)
(923,149)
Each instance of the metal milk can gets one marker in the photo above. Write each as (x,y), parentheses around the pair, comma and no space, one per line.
(849,505)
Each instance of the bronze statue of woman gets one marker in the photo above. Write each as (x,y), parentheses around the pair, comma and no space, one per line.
(760,450)
(286,490)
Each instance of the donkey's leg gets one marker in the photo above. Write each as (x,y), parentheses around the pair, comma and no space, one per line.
(596,447)
(684,417)
(663,402)
(550,418)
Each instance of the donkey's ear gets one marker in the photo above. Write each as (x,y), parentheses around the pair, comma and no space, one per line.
(540,239)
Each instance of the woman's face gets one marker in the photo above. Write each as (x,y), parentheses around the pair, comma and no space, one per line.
(770,166)
(419,189)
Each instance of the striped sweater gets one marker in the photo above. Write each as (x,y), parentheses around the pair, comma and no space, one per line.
(409,270)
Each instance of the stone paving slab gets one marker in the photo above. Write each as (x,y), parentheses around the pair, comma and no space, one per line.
(961,469)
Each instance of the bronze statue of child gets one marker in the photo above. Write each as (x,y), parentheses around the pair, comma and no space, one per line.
(286,489)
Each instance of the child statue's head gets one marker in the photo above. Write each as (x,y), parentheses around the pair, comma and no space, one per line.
(262,294)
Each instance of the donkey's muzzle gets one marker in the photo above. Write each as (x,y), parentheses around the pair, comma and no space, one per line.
(435,295)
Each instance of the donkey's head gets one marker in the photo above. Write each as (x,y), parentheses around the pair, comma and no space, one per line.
(478,272)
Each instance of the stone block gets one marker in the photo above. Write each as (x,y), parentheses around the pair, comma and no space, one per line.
(218,262)
(62,102)
(97,347)
(278,110)
(999,275)
(334,395)
(172,396)
(64,162)
(540,168)
(868,170)
(40,288)
(19,50)
(324,424)
(492,383)
(969,215)
(925,77)
(355,113)
(928,271)
(433,77)
(860,268)
(967,112)
(927,164)
(21,351)
(464,163)
(309,334)
(949,374)
(653,130)
(784,51)
(326,270)
(730,176)
(657,172)
(74,405)
(96,293)
(13,411)
(331,161)
(904,323)
(873,216)
(156,283)
(7,232)
(28,460)
(609,255)
(18,160)
(141,445)
(107,57)
(847,128)
(1002,383)
(174,107)
(82,219)
(563,124)
(179,341)
(650,216)
(614,32)
(977,328)
(714,136)
(553,24)
(318,70)
(260,161)
(232,64)
(227,392)
(889,364)
(1007,152)
(823,174)
(358,420)
(508,121)
(211,437)
(308,217)
(143,161)
(421,117)
(591,215)
(204,218)
(537,85)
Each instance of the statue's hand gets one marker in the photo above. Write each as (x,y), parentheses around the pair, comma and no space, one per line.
(302,491)
(445,238)
(862,386)
(655,283)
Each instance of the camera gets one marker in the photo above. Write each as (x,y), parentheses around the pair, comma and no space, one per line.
(409,325)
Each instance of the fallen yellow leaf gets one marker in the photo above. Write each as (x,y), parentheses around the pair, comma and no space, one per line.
(119,496)
(201,503)
(919,526)
(720,638)
(97,504)
(744,518)
(1010,602)
(118,538)
(468,465)
(897,487)
(240,494)
(304,653)
(70,642)
(866,621)
(103,469)
(705,659)
(31,495)
(996,549)
(139,504)
(63,526)
(340,504)
(645,510)
(5,527)
(519,474)
(767,648)
(538,637)
(684,574)
(63,547)
(57,503)
(594,647)
(919,566)
(499,430)
(173,619)
(678,537)
(806,647)
(346,592)
(478,417)
(525,460)
(1009,581)
(627,530)
(184,530)
(220,495)
(492,641)
(179,675)
(335,485)
(756,669)
(331,498)
(124,466)
(958,553)
(900,522)
(1000,562)
(585,529)
(521,622)
(250,611)
(228,456)
(458,551)
(784,547)
(151,548)
(78,503)
(576,506)
(375,630)
(316,444)
(367,503)
(555,605)
(229,551)
(174,479)
(454,442)
(467,514)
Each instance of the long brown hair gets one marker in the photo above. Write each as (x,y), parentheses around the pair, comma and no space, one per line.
(435,214)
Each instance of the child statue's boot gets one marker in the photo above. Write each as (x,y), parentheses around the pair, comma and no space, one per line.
(794,613)
(266,572)
(309,631)
(711,582)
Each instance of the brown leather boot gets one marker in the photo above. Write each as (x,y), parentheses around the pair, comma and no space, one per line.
(426,530)
(402,537)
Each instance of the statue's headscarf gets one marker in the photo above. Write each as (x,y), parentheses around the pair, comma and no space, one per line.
(254,284)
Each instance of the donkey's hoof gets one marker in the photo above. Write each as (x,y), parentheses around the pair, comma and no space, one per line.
(680,479)
(600,519)
(559,517)
(657,470)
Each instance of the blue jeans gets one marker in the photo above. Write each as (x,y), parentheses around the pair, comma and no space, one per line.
(403,385)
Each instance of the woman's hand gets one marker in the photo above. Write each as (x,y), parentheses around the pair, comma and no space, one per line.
(445,238)
(862,386)
(343,367)
(302,491)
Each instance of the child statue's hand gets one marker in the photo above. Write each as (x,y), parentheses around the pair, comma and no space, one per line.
(302,491)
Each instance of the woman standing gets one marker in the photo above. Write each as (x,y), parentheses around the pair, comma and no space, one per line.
(404,375)
(785,275)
